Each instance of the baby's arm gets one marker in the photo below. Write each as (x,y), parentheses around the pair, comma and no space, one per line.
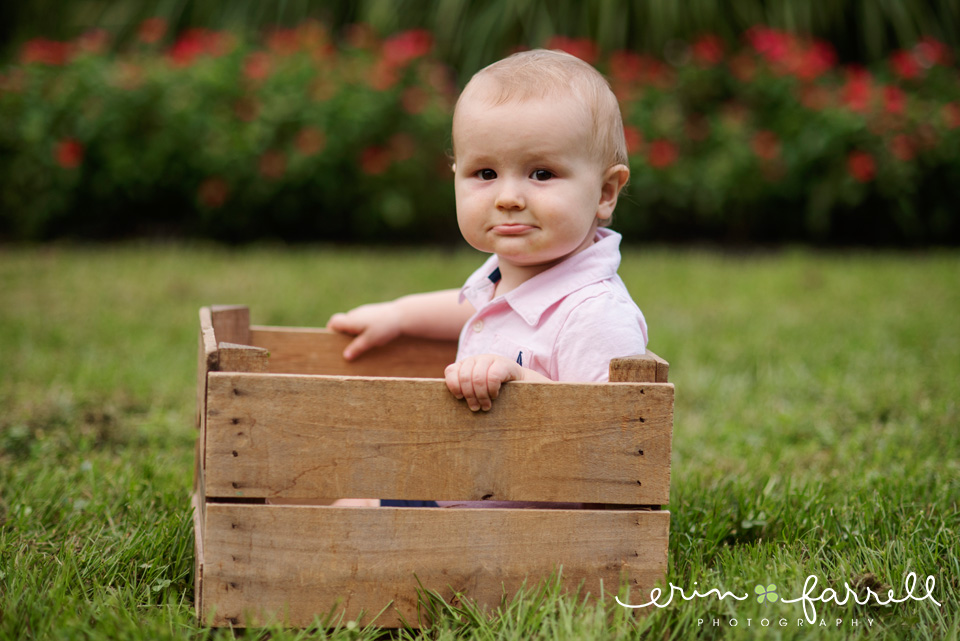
(477,379)
(438,315)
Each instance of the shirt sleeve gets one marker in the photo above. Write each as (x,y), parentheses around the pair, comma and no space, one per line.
(597,330)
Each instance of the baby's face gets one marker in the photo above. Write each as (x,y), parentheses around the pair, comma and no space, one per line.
(528,185)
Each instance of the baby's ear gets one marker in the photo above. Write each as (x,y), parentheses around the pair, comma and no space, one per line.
(613,181)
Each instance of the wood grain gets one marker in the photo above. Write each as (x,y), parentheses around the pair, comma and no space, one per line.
(241,358)
(320,351)
(639,368)
(231,323)
(287,563)
(271,435)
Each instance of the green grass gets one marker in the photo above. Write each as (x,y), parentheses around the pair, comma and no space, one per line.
(816,433)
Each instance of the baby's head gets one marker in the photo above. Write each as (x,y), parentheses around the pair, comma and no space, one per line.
(547,75)
(539,158)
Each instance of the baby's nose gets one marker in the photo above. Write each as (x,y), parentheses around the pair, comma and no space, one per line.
(510,196)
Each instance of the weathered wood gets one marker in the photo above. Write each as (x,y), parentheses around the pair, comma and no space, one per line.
(231,323)
(286,563)
(641,368)
(294,436)
(199,526)
(320,351)
(206,360)
(241,358)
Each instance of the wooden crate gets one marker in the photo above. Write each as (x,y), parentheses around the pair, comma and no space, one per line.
(286,425)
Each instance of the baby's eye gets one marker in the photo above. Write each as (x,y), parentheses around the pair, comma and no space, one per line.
(486,174)
(542,174)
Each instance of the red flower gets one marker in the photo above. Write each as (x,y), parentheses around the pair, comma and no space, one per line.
(815,60)
(932,52)
(257,66)
(708,50)
(48,52)
(69,153)
(773,45)
(894,100)
(375,160)
(905,65)
(766,145)
(310,141)
(626,66)
(902,147)
(272,165)
(582,48)
(634,139)
(857,91)
(152,30)
(195,43)
(861,166)
(662,154)
(400,49)
(951,115)
(213,192)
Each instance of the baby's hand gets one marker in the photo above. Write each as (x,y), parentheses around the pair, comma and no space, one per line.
(373,325)
(478,379)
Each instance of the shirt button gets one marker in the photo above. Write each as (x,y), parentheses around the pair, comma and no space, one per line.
(478,326)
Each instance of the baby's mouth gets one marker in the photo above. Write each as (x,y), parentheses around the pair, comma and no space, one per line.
(512,229)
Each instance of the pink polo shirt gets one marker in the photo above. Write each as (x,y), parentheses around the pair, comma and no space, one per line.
(565,323)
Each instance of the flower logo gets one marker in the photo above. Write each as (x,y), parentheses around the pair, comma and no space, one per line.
(768,593)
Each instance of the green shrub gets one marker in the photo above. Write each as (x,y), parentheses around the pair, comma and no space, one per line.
(294,138)
(304,136)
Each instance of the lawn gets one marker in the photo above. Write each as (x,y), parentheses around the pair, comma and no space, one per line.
(815,434)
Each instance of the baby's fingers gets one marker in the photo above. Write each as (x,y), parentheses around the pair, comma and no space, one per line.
(482,384)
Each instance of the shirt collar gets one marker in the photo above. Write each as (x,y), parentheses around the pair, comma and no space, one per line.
(530,300)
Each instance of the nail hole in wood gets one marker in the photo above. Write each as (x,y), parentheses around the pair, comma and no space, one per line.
(640,452)
(236,454)
(235,421)
(639,483)
(487,497)
(235,485)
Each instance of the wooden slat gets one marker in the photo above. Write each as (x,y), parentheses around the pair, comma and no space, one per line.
(199,519)
(292,563)
(271,435)
(206,360)
(319,351)
(241,358)
(231,323)
(640,368)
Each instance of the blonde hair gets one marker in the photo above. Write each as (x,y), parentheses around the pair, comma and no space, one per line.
(542,73)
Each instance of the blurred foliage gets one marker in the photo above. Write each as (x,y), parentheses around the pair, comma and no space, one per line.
(217,136)
(307,133)
(470,35)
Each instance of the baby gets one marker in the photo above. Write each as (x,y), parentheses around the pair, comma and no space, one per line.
(539,161)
